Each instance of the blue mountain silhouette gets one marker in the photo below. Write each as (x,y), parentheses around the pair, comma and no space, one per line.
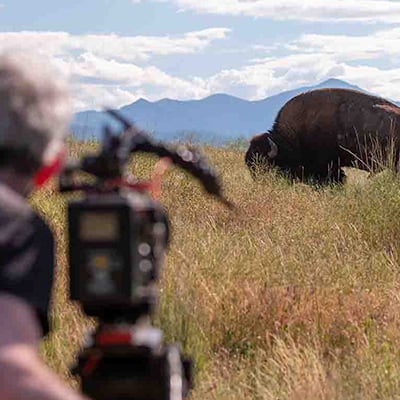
(217,118)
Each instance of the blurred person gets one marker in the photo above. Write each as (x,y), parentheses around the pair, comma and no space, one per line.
(34,116)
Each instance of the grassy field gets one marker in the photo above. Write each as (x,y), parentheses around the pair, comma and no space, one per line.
(296,295)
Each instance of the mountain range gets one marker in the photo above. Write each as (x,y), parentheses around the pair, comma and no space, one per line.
(218,118)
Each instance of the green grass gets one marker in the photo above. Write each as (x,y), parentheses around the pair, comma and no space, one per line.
(293,296)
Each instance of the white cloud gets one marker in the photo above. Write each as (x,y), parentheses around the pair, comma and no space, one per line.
(353,55)
(385,83)
(107,69)
(385,11)
(314,58)
(115,84)
(123,82)
(385,43)
(272,75)
(110,70)
(100,96)
(259,79)
(127,48)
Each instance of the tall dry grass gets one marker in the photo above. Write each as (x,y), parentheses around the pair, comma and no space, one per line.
(293,296)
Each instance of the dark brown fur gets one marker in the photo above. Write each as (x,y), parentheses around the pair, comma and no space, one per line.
(320,131)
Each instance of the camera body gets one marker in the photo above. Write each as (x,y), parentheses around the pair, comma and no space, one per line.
(117,243)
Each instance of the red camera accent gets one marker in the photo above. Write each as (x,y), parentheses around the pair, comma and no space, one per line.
(46,172)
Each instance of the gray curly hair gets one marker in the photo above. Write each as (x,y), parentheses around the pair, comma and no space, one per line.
(34,109)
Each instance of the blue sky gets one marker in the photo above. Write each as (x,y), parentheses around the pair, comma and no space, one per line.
(116,51)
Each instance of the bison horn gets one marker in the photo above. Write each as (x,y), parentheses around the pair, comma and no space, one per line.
(274,149)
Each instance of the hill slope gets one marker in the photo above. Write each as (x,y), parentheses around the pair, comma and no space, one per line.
(217,118)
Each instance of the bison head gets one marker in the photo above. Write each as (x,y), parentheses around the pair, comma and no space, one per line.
(261,152)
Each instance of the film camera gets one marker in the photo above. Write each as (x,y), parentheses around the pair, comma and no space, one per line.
(117,238)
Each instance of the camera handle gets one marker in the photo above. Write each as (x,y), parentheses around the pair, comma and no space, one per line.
(108,166)
(134,140)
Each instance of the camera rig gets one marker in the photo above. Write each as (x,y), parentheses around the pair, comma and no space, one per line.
(118,236)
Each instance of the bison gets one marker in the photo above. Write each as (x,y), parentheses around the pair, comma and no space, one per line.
(318,132)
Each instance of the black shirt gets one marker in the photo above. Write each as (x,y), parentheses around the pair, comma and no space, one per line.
(26,254)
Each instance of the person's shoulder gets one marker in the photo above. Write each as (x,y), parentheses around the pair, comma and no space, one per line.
(13,204)
(18,219)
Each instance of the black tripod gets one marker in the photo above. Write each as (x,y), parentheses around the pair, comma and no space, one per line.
(129,362)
